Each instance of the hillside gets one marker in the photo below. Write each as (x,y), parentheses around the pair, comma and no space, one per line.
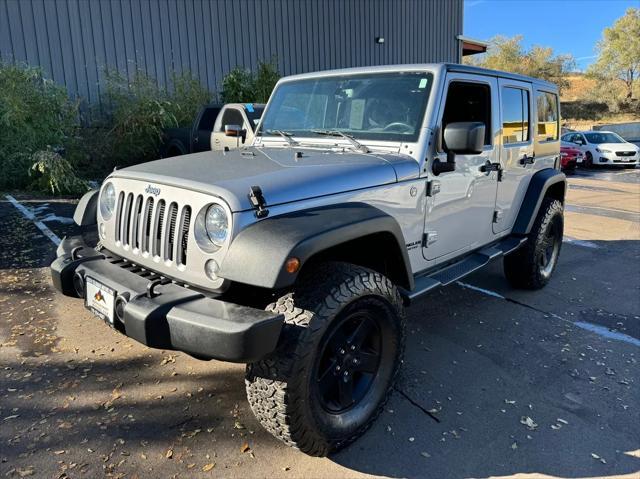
(584,104)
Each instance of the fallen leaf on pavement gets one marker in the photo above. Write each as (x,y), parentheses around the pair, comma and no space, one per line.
(208,467)
(527,421)
(169,454)
(245,447)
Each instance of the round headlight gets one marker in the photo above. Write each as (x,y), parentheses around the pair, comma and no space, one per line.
(107,201)
(216,224)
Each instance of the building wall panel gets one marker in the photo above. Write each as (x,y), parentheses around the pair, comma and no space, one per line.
(74,41)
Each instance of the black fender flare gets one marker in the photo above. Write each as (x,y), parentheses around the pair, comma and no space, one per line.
(87,209)
(540,184)
(258,254)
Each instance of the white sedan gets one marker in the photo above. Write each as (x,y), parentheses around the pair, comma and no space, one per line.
(604,148)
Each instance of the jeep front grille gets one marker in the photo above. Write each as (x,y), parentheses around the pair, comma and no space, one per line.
(153,226)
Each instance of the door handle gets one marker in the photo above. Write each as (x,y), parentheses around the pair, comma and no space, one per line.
(489,167)
(528,160)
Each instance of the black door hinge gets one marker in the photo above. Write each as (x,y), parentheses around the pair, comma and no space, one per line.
(258,202)
(433,187)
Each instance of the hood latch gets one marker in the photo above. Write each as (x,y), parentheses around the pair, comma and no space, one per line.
(258,202)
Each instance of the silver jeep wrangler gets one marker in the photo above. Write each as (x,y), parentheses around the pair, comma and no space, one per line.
(364,189)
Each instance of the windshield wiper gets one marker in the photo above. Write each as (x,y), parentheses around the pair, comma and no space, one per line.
(284,134)
(337,133)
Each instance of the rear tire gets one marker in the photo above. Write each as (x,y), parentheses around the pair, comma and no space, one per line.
(532,266)
(338,356)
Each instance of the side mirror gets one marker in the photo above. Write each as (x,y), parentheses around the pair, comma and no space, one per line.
(460,138)
(465,137)
(234,130)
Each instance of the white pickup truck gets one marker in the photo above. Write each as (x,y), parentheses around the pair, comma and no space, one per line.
(215,128)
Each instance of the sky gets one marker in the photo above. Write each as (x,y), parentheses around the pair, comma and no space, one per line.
(568,26)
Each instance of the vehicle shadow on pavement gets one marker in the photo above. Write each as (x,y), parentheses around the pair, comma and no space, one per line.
(496,387)
(96,413)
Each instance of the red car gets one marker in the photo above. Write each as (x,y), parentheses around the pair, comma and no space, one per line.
(569,156)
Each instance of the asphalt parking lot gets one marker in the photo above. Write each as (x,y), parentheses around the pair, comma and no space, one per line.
(496,382)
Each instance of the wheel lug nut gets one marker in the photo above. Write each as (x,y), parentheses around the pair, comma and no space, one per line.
(346,373)
(337,368)
(355,361)
(353,348)
(342,351)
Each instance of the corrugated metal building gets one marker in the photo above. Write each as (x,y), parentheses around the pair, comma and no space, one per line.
(74,40)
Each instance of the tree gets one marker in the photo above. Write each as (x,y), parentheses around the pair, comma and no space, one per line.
(619,51)
(507,54)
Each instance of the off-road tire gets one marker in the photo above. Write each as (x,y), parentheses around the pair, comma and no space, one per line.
(280,386)
(523,267)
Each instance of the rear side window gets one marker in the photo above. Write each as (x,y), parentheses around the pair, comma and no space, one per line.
(547,105)
(208,119)
(231,116)
(515,115)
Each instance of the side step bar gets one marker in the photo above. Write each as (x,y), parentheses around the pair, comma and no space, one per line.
(454,271)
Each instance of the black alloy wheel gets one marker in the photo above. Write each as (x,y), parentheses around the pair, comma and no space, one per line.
(348,364)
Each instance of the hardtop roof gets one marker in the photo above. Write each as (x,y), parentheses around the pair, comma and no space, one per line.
(453,67)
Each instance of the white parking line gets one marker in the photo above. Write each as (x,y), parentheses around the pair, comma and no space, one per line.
(594,328)
(583,243)
(31,217)
(607,333)
(481,290)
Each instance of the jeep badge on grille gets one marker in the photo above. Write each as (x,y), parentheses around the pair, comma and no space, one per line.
(151,190)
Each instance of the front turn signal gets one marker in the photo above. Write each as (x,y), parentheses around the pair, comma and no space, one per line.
(292,265)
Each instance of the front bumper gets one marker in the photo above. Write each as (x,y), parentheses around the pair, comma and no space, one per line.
(568,163)
(166,315)
(613,159)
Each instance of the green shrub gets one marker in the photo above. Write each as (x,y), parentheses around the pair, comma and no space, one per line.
(35,114)
(136,114)
(54,174)
(237,86)
(265,80)
(186,98)
(241,85)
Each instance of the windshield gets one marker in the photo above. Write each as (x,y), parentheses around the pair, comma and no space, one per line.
(375,106)
(597,138)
